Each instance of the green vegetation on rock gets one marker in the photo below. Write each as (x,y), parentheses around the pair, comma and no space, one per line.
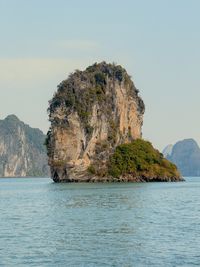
(84,88)
(140,159)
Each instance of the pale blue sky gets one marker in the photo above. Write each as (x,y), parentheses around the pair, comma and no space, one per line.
(157,41)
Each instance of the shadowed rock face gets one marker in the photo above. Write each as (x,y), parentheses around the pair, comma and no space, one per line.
(92,112)
(22,150)
(186,155)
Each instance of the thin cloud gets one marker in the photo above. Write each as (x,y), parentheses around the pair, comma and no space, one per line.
(77,44)
(18,70)
(49,49)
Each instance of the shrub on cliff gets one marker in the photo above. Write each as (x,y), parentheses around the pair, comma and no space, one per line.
(140,159)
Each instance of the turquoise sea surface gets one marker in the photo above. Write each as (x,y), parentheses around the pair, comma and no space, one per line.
(141,224)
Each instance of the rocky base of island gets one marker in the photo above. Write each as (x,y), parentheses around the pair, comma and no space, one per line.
(126,179)
(137,161)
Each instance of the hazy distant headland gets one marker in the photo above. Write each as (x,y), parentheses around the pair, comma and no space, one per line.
(186,155)
(96,120)
(22,150)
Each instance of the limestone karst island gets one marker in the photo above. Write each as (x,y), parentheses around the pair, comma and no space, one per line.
(96,120)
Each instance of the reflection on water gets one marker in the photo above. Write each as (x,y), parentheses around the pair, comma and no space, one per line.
(47,224)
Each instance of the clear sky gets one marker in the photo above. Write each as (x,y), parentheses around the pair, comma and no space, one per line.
(157,41)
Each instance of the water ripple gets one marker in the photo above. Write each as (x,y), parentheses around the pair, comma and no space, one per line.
(46,224)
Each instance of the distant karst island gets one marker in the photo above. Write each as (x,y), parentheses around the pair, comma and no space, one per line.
(96,120)
(22,150)
(186,155)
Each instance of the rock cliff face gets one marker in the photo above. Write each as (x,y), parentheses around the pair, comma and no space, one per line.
(92,112)
(22,151)
(186,155)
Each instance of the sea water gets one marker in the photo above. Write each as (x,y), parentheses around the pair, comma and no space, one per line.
(141,224)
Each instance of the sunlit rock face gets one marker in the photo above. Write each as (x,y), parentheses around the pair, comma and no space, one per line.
(91,113)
